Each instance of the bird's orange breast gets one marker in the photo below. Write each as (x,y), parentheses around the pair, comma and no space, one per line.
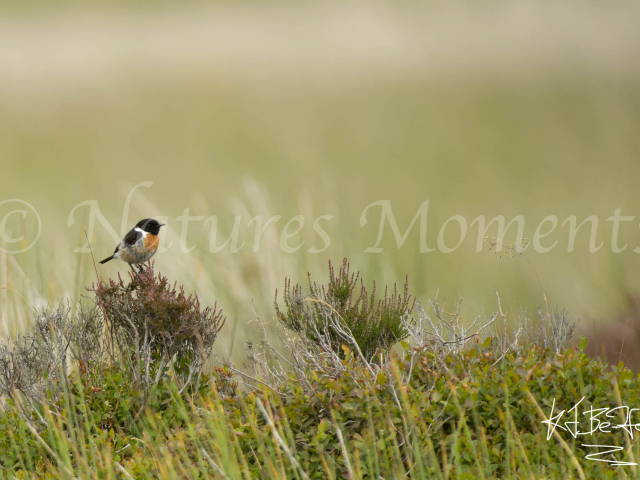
(150,243)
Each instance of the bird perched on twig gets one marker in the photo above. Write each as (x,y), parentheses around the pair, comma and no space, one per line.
(139,245)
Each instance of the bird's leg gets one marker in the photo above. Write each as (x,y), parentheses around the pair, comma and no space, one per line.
(141,268)
(132,269)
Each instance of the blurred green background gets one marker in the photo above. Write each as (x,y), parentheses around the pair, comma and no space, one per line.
(526,108)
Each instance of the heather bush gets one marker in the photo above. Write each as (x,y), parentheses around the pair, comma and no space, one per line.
(345,313)
(146,328)
(36,364)
(153,324)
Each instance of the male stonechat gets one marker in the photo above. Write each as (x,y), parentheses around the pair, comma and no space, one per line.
(139,245)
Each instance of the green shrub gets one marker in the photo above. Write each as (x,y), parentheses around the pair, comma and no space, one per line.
(153,324)
(342,312)
(423,412)
(473,419)
(149,305)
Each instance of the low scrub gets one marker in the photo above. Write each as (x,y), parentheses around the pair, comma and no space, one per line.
(439,399)
(354,316)
(477,417)
(152,324)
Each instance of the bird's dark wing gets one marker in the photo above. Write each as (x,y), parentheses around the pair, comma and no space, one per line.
(132,237)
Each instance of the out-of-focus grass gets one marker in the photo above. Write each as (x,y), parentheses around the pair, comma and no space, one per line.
(553,139)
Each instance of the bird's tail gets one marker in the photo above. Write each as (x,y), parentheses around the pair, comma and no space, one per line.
(106,259)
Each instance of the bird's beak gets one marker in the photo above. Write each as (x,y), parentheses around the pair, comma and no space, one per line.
(162,224)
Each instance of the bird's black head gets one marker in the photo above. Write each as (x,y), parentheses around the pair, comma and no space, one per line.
(150,225)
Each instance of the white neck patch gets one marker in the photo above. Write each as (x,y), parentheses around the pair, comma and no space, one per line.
(144,234)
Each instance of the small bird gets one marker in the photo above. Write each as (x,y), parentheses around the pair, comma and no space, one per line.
(139,245)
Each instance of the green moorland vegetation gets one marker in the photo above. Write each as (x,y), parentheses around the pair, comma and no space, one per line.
(359,384)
